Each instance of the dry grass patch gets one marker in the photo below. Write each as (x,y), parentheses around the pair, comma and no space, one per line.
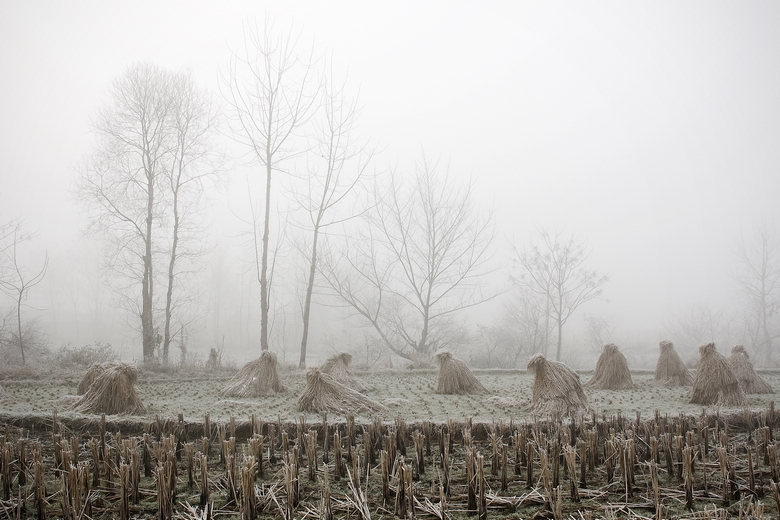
(112,392)
(455,376)
(255,379)
(323,393)
(557,390)
(94,370)
(749,381)
(670,368)
(715,383)
(612,371)
(338,368)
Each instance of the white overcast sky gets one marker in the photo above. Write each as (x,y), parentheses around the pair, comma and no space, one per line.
(649,129)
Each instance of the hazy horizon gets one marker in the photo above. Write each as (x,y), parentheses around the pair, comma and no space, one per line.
(648,131)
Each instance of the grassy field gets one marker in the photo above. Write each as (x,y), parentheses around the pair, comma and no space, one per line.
(407,393)
(497,469)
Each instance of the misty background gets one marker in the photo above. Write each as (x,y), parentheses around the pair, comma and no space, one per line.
(646,131)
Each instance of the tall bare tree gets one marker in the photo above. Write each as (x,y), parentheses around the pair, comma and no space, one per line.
(337,173)
(272,93)
(760,281)
(555,270)
(14,281)
(123,179)
(419,261)
(192,166)
(149,137)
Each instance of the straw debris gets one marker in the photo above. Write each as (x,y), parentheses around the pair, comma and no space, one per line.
(255,379)
(455,376)
(670,368)
(749,381)
(324,393)
(612,371)
(715,383)
(112,392)
(338,368)
(94,370)
(557,390)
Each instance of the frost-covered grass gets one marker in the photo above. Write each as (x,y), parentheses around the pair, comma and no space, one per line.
(407,394)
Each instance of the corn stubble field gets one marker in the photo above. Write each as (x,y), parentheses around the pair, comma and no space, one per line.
(639,453)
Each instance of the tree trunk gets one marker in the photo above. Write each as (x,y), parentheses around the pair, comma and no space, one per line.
(171,266)
(19,324)
(558,347)
(264,264)
(422,346)
(147,323)
(307,303)
(546,339)
(767,341)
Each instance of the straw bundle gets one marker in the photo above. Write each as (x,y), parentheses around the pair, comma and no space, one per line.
(557,390)
(715,383)
(611,370)
(324,393)
(749,381)
(93,371)
(670,368)
(255,379)
(338,368)
(112,392)
(454,376)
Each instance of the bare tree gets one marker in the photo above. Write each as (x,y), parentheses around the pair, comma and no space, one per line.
(520,329)
(600,332)
(150,140)
(14,281)
(192,123)
(760,281)
(340,167)
(697,325)
(418,261)
(124,178)
(555,270)
(272,93)
(526,315)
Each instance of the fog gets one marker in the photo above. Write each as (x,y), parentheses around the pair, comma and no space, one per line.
(648,131)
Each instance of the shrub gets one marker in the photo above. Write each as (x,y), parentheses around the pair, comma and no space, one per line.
(83,356)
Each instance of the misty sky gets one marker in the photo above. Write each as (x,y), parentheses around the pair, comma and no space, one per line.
(650,130)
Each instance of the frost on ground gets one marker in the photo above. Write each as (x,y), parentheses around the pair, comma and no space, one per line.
(411,395)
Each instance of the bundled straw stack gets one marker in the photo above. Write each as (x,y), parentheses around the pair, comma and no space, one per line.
(557,390)
(715,383)
(255,379)
(324,393)
(112,392)
(338,368)
(670,368)
(454,376)
(749,381)
(611,370)
(94,370)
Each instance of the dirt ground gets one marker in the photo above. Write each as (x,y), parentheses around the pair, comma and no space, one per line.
(406,393)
